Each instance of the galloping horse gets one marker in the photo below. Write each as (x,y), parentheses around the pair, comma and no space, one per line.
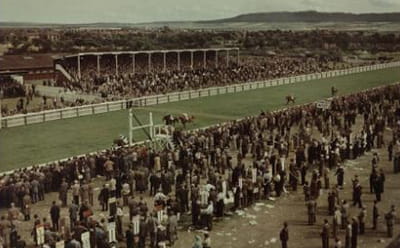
(334,91)
(290,99)
(185,118)
(170,120)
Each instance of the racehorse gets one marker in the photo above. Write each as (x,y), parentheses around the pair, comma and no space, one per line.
(290,99)
(170,120)
(185,118)
(334,91)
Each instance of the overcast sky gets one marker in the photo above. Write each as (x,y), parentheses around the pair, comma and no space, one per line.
(134,11)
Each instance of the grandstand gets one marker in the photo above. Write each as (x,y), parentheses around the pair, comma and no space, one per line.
(157,60)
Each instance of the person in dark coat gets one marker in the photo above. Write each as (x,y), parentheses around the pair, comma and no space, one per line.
(284,235)
(381,180)
(143,232)
(152,229)
(325,234)
(55,216)
(103,198)
(373,179)
(340,176)
(375,215)
(357,192)
(195,212)
(354,233)
(378,188)
(129,237)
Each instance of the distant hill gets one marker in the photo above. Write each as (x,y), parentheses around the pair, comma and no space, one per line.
(279,20)
(312,16)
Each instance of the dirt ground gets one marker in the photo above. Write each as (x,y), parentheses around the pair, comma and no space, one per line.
(267,217)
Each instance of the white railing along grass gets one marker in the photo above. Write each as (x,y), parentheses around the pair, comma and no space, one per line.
(72,112)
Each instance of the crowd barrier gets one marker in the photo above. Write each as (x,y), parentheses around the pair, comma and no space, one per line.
(72,112)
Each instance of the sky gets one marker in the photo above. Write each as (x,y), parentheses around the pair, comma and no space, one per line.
(137,11)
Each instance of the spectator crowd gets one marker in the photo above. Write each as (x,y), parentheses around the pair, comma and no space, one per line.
(209,172)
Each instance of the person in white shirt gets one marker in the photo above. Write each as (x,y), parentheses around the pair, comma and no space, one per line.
(208,215)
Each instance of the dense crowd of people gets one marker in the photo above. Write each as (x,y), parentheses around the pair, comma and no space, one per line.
(206,174)
(9,87)
(124,84)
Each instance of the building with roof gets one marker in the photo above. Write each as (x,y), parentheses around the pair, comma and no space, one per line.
(31,67)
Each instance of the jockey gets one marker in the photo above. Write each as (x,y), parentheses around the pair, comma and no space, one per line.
(186,116)
(123,138)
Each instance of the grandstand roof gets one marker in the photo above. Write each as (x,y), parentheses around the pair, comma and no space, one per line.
(25,62)
(154,51)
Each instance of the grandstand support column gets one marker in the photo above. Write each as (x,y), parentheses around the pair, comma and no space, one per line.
(216,58)
(179,60)
(98,64)
(116,64)
(204,59)
(165,61)
(133,63)
(227,58)
(79,66)
(238,57)
(191,59)
(149,62)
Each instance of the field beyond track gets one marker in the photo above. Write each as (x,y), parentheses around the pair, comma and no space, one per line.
(40,143)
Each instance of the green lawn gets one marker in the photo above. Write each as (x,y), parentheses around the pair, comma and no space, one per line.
(39,143)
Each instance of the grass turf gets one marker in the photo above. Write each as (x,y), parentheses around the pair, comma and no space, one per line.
(39,143)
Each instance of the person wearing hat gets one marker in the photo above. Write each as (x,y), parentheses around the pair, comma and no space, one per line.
(340,176)
(63,193)
(357,193)
(76,189)
(103,197)
(284,235)
(325,234)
